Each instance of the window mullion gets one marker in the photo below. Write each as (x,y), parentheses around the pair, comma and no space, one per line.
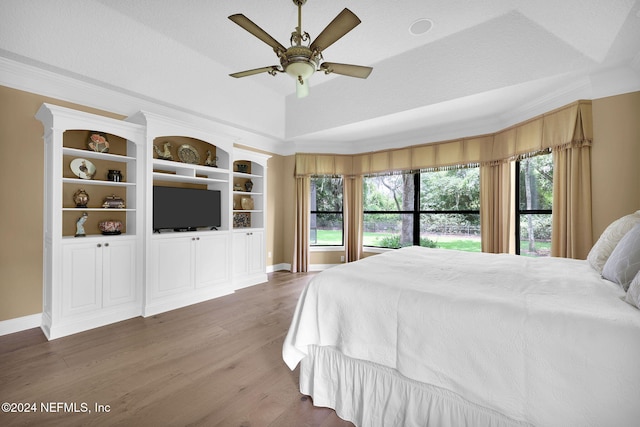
(416,209)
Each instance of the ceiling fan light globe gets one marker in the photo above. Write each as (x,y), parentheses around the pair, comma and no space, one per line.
(300,69)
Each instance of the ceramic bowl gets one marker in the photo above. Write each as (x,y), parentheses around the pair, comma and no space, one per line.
(110,227)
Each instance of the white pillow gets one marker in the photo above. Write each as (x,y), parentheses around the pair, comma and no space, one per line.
(608,240)
(633,294)
(624,262)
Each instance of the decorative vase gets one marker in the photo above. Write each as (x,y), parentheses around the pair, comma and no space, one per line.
(81,198)
(98,142)
(114,175)
(248,186)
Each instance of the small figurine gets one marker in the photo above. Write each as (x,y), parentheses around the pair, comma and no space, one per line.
(211,161)
(165,154)
(80,225)
(98,142)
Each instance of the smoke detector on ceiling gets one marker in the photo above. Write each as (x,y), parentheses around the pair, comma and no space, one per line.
(421,26)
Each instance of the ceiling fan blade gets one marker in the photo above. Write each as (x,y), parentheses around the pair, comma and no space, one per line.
(250,26)
(346,69)
(341,25)
(271,70)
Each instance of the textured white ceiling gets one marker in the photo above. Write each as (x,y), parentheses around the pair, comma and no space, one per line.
(481,61)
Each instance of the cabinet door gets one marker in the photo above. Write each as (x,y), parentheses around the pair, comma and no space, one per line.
(81,278)
(119,272)
(240,245)
(212,260)
(255,253)
(171,265)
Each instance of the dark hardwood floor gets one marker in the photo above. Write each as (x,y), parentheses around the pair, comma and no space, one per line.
(216,363)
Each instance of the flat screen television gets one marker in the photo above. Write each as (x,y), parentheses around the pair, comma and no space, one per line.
(185,209)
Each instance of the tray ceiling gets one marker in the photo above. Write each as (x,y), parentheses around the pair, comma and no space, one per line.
(480,67)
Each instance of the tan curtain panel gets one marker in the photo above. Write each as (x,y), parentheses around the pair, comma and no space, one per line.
(495,207)
(571,233)
(353,217)
(301,226)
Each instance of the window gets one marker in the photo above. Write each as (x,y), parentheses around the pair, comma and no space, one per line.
(326,221)
(450,209)
(389,205)
(534,196)
(434,209)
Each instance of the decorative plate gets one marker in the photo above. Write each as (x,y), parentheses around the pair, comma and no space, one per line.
(83,168)
(188,154)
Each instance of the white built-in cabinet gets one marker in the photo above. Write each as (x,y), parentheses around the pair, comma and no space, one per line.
(96,279)
(98,273)
(249,217)
(92,279)
(188,269)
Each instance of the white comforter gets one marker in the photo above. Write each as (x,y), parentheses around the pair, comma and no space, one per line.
(545,341)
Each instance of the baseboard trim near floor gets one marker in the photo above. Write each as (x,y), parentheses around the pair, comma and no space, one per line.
(278,267)
(20,324)
(320,267)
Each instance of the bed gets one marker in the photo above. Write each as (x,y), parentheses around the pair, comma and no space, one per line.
(434,337)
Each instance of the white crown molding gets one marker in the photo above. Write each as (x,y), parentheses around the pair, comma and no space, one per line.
(30,78)
(603,83)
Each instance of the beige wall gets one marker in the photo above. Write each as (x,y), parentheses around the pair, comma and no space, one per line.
(21,194)
(616,179)
(615,156)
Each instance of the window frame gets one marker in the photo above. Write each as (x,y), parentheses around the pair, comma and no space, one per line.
(416,212)
(314,246)
(519,212)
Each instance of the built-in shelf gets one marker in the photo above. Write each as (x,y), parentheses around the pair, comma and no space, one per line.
(98,209)
(246,193)
(246,175)
(188,169)
(80,181)
(181,178)
(96,155)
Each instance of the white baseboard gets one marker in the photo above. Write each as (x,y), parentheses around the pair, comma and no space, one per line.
(320,267)
(19,324)
(278,267)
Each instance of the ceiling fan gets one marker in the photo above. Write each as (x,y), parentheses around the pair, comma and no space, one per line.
(300,61)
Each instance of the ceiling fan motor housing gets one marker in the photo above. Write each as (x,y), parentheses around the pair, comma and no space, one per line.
(299,62)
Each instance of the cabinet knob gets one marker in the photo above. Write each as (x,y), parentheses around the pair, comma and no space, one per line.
(99,245)
(106,244)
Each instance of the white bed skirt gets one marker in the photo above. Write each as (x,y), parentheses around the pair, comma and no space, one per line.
(372,395)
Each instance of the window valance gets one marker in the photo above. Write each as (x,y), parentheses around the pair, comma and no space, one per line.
(570,125)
